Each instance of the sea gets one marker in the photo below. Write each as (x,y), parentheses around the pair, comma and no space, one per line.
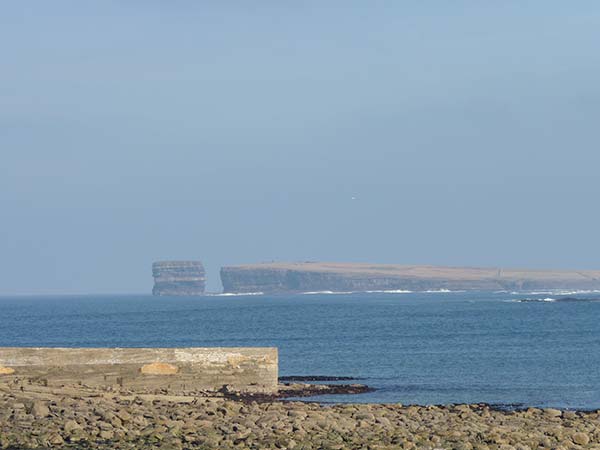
(508,349)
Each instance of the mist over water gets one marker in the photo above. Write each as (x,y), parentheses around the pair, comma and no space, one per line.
(425,348)
(455,133)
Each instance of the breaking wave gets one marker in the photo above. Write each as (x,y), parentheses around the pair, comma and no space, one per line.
(535,300)
(552,299)
(235,294)
(390,291)
(556,292)
(440,291)
(326,292)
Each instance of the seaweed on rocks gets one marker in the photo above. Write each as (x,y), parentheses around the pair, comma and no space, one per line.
(296,390)
(304,378)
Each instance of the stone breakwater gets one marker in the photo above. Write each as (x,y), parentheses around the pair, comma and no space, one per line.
(348,277)
(33,415)
(178,278)
(243,369)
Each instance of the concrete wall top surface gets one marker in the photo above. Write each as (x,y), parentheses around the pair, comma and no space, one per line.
(251,369)
(30,356)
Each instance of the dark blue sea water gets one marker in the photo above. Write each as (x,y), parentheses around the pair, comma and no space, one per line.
(425,348)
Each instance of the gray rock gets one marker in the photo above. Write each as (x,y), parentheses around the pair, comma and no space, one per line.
(71,427)
(55,439)
(364,416)
(552,412)
(581,438)
(123,415)
(106,435)
(40,410)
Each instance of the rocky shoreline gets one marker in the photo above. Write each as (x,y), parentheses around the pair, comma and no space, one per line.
(296,390)
(36,416)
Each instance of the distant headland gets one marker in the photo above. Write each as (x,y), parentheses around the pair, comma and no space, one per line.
(355,277)
(188,278)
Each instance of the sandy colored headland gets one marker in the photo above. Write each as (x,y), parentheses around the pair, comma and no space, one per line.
(33,415)
(281,277)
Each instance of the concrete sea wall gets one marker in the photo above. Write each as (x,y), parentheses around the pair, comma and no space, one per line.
(242,369)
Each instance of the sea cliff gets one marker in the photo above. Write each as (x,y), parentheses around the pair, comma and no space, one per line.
(178,278)
(349,277)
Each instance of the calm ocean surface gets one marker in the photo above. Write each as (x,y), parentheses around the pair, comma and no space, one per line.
(425,348)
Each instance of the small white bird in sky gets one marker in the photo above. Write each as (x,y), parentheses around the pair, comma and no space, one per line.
(353,198)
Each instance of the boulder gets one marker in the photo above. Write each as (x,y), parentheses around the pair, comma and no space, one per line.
(40,410)
(580,438)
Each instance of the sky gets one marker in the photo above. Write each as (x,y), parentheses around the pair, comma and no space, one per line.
(415,132)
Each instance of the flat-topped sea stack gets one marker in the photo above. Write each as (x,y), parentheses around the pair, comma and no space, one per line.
(178,278)
(355,277)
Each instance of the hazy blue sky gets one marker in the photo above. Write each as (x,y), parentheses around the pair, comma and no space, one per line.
(236,131)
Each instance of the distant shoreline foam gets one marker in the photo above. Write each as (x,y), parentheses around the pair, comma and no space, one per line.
(236,294)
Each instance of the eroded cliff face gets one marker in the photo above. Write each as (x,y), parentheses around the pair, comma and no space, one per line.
(178,278)
(238,280)
(310,277)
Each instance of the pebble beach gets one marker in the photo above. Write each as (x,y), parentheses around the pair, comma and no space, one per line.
(37,416)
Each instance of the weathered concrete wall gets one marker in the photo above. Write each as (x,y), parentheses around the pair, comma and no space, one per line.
(243,369)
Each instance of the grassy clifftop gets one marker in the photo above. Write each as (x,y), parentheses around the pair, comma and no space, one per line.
(320,276)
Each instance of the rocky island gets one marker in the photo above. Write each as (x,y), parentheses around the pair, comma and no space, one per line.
(178,278)
(355,277)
